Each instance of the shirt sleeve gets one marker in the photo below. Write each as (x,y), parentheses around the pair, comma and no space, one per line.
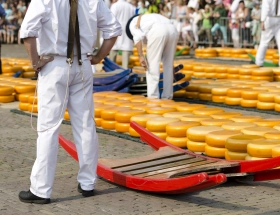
(265,10)
(107,22)
(137,34)
(37,13)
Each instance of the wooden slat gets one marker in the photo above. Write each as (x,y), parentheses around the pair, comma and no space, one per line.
(195,169)
(165,172)
(163,152)
(154,163)
(164,166)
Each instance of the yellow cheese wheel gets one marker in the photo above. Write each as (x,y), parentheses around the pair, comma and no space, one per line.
(109,113)
(211,69)
(272,135)
(66,115)
(126,98)
(23,106)
(262,148)
(116,95)
(246,118)
(177,114)
(189,107)
(233,70)
(249,103)
(158,101)
(218,99)
(250,158)
(177,141)
(235,155)
(98,121)
(192,88)
(196,146)
(198,68)
(33,108)
(232,101)
(108,124)
(245,71)
(210,75)
(262,72)
(160,110)
(24,97)
(105,93)
(161,135)
(277,107)
(225,115)
(265,105)
(122,127)
(267,122)
(124,116)
(250,66)
(245,77)
(140,99)
(102,100)
(218,138)
(143,118)
(215,122)
(250,94)
(6,91)
(173,104)
(207,111)
(131,104)
(194,118)
(179,129)
(192,95)
(133,133)
(159,124)
(32,99)
(239,143)
(221,69)
(238,126)
(267,96)
(277,99)
(113,102)
(276,151)
(277,127)
(25,88)
(261,131)
(263,78)
(144,107)
(7,99)
(199,133)
(98,108)
(214,151)
(205,96)
(221,75)
(207,88)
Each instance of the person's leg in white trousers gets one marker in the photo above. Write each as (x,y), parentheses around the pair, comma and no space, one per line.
(266,37)
(113,55)
(51,95)
(125,58)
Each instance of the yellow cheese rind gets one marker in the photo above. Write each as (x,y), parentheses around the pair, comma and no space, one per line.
(160,110)
(189,107)
(23,106)
(246,118)
(265,105)
(261,131)
(214,151)
(7,99)
(194,118)
(124,116)
(218,138)
(268,122)
(239,143)
(198,134)
(235,155)
(262,149)
(177,141)
(238,126)
(196,146)
(108,124)
(159,124)
(122,127)
(272,135)
(225,115)
(179,129)
(250,158)
(176,114)
(143,118)
(276,151)
(98,121)
(249,103)
(133,133)
(161,135)
(232,101)
(207,111)
(215,122)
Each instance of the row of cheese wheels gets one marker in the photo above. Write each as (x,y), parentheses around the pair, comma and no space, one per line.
(12,65)
(28,102)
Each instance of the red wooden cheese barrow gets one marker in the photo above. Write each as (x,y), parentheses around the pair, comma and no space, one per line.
(172,170)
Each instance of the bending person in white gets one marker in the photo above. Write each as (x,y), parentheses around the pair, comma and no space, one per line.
(270,25)
(162,39)
(61,85)
(123,11)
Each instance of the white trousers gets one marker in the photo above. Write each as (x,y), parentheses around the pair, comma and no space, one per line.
(52,84)
(162,41)
(272,29)
(125,57)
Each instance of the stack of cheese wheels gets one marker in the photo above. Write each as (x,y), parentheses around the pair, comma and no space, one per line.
(66,115)
(221,72)
(160,110)
(215,142)
(266,100)
(189,107)
(234,96)
(263,74)
(238,126)
(6,94)
(108,121)
(277,103)
(205,92)
(192,91)
(261,131)
(272,135)
(262,148)
(206,53)
(33,101)
(215,122)
(276,151)
(173,104)
(23,89)
(141,120)
(198,71)
(236,146)
(123,117)
(267,122)
(233,72)
(179,94)
(98,108)
(250,98)
(245,73)
(158,126)
(225,115)
(276,72)
(245,118)
(196,137)
(207,111)
(177,133)
(23,101)
(28,72)
(177,115)
(7,70)
(219,94)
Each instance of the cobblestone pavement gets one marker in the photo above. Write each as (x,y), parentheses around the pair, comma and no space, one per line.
(17,154)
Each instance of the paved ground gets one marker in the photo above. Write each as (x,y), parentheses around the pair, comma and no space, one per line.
(17,154)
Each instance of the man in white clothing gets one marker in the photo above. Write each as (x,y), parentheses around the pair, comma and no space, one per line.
(123,11)
(270,25)
(162,38)
(65,80)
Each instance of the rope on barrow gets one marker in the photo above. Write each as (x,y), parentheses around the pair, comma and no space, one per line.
(237,107)
(98,130)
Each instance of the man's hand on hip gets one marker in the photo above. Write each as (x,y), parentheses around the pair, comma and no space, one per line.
(143,62)
(262,26)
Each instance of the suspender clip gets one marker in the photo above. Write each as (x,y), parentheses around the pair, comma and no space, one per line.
(69,61)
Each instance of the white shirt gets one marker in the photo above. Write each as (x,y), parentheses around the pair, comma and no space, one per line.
(48,20)
(269,9)
(123,11)
(194,4)
(146,23)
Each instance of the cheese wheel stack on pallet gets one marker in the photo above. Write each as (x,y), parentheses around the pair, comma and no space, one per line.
(261,149)
(6,94)
(141,120)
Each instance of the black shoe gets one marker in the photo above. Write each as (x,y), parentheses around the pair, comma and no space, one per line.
(85,193)
(28,197)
